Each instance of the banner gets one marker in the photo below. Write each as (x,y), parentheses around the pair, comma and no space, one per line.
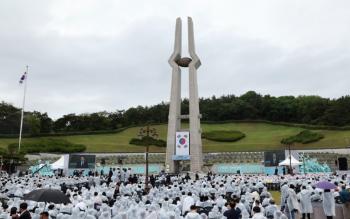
(182,143)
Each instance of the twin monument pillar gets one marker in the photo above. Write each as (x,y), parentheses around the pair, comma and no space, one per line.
(182,143)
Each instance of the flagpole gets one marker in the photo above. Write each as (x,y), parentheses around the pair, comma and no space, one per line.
(22,113)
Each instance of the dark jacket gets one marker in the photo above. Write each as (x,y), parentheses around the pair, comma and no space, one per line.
(233,214)
(344,196)
(25,215)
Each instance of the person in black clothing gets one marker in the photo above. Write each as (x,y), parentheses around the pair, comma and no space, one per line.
(90,173)
(168,180)
(233,213)
(5,207)
(152,180)
(64,188)
(276,171)
(110,174)
(135,179)
(13,213)
(24,212)
(187,177)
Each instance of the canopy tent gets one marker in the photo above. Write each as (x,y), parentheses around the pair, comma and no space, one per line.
(59,164)
(288,162)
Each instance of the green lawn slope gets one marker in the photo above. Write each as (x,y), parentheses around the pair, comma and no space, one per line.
(259,137)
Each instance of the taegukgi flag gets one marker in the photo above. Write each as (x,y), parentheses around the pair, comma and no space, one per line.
(182,143)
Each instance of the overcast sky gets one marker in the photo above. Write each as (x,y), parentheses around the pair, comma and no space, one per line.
(88,56)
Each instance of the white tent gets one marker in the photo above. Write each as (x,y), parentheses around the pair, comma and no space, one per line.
(59,164)
(287,162)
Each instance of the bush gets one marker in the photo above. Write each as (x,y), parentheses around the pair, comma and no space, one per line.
(49,146)
(303,137)
(148,141)
(58,134)
(223,136)
(2,151)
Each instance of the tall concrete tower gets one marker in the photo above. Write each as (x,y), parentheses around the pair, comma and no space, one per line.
(177,136)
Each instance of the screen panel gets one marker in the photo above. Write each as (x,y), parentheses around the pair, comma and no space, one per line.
(273,158)
(81,161)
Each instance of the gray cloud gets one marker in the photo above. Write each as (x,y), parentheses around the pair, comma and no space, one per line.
(88,56)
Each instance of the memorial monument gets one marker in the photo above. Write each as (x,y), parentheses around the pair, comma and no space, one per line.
(184,144)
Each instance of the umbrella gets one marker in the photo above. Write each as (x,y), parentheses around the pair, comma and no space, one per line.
(325,185)
(47,195)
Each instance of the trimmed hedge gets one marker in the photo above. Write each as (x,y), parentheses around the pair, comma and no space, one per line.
(303,137)
(305,126)
(148,141)
(58,134)
(223,136)
(49,146)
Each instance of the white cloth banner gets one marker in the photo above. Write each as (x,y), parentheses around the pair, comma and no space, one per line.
(182,143)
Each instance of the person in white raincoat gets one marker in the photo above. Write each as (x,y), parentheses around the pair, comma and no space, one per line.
(257,214)
(193,213)
(284,194)
(292,202)
(279,215)
(188,201)
(305,202)
(328,204)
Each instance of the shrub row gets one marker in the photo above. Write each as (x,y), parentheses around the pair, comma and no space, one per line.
(148,141)
(305,126)
(223,136)
(303,137)
(49,146)
(58,134)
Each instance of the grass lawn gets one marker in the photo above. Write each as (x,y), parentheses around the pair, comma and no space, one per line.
(276,195)
(259,137)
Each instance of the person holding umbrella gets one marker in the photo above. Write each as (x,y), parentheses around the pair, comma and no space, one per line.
(328,198)
(328,203)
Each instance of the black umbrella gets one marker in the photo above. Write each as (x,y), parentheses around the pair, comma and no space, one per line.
(47,195)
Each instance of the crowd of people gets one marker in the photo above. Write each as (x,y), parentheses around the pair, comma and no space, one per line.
(123,195)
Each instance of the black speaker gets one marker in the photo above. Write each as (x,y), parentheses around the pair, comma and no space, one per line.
(103,161)
(343,163)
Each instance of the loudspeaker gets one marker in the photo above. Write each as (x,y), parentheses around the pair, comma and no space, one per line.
(343,163)
(103,161)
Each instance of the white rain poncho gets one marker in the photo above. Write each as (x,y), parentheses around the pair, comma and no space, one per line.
(292,200)
(328,204)
(305,201)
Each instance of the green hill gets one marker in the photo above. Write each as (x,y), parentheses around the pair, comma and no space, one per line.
(259,137)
